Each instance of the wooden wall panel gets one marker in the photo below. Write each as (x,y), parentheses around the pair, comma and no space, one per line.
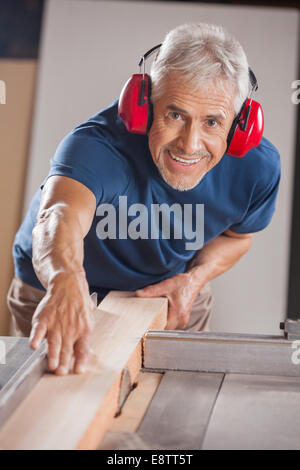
(15,127)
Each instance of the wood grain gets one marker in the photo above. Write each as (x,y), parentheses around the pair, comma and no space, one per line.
(136,404)
(75,411)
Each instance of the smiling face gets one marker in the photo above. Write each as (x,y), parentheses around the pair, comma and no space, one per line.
(189,132)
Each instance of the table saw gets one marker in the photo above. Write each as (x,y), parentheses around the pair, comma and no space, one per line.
(153,389)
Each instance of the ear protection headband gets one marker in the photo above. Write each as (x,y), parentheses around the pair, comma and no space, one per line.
(135,109)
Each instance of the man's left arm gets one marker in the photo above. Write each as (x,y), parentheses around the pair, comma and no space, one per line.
(216,257)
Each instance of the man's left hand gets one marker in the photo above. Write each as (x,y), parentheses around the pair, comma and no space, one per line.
(181,293)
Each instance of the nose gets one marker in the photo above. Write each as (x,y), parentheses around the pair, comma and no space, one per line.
(191,139)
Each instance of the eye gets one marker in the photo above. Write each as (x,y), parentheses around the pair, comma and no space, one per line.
(174,115)
(212,122)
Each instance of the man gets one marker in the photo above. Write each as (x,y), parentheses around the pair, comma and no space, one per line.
(200,79)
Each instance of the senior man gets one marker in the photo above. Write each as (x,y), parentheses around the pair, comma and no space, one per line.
(75,238)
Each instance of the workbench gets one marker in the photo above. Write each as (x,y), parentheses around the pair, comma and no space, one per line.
(154,389)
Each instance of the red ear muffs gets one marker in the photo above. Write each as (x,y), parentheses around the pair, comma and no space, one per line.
(135,109)
(134,103)
(246,130)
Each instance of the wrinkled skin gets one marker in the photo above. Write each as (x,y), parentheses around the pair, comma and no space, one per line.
(181,293)
(191,126)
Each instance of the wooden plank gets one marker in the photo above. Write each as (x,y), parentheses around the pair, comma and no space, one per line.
(136,404)
(179,412)
(213,352)
(20,370)
(256,412)
(74,411)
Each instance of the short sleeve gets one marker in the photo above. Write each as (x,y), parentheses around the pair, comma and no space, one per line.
(263,201)
(86,157)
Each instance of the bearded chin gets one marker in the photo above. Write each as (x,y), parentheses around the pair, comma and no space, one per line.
(180,184)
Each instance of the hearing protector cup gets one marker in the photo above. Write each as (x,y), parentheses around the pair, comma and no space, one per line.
(135,109)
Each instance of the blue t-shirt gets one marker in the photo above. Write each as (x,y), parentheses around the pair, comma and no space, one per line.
(130,245)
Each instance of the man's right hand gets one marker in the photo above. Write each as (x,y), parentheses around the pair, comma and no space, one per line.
(65,317)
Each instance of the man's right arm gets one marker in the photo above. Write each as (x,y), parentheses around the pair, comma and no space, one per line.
(65,315)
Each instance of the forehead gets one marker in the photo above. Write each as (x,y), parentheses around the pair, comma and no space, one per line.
(213,94)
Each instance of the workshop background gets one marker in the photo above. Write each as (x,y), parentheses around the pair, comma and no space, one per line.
(63,60)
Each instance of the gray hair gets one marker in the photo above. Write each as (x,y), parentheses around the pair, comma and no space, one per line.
(200,53)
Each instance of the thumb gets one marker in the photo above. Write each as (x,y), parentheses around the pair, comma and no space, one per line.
(157,290)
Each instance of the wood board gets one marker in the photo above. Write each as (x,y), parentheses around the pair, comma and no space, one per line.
(74,411)
(122,431)
(137,403)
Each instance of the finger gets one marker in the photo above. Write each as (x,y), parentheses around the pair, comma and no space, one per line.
(178,313)
(155,290)
(171,325)
(172,319)
(65,358)
(54,346)
(176,322)
(82,353)
(37,334)
(182,322)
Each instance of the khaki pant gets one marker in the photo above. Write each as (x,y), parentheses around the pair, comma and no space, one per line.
(22,300)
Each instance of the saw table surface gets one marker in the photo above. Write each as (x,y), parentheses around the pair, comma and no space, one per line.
(20,369)
(208,390)
(207,410)
(187,390)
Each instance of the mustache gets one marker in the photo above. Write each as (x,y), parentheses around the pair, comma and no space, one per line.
(181,153)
